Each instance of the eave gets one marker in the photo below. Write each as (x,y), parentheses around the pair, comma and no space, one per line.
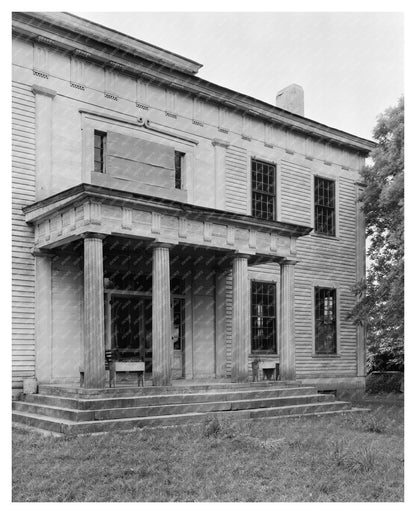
(132,61)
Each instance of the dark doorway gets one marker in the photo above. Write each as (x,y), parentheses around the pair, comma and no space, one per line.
(131,320)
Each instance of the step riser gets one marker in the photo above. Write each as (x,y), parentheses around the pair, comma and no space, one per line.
(77,392)
(113,403)
(167,410)
(130,424)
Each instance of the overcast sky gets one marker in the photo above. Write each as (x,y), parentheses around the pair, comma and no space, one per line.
(349,64)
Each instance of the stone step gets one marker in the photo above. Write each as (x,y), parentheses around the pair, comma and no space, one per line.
(70,427)
(167,399)
(166,409)
(123,391)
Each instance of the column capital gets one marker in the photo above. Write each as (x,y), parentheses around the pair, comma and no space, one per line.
(220,142)
(93,235)
(40,90)
(288,262)
(160,244)
(39,252)
(242,255)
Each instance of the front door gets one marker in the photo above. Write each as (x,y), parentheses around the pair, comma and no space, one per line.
(131,327)
(178,336)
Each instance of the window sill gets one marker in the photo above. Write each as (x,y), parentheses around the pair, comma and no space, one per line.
(324,236)
(263,355)
(325,356)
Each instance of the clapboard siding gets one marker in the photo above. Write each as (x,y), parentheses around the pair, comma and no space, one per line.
(295,193)
(236,179)
(23,271)
(323,260)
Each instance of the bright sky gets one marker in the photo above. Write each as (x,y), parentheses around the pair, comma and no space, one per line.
(349,64)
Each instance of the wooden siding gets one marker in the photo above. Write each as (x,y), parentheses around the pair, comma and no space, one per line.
(23,268)
(326,261)
(295,193)
(236,179)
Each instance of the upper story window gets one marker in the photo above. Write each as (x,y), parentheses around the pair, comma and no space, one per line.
(263,317)
(325,321)
(179,166)
(100,143)
(263,188)
(324,206)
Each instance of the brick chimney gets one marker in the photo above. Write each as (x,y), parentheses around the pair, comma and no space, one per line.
(291,98)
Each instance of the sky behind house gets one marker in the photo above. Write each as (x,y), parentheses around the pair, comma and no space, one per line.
(349,64)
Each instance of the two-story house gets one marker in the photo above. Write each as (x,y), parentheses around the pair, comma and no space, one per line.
(173,220)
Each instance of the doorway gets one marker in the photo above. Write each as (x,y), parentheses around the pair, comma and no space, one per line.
(178,336)
(131,328)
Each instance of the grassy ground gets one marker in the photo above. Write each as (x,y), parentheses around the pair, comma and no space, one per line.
(348,457)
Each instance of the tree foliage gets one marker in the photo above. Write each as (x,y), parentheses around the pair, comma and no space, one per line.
(381,304)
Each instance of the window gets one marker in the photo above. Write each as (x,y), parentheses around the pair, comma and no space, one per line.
(179,160)
(324,206)
(263,317)
(325,321)
(100,142)
(263,187)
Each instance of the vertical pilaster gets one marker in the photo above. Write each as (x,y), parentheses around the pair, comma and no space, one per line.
(241,320)
(219,160)
(43,326)
(287,329)
(220,321)
(94,363)
(161,317)
(44,133)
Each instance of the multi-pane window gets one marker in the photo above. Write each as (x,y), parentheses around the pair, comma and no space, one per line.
(325,321)
(324,206)
(100,141)
(263,187)
(179,160)
(263,317)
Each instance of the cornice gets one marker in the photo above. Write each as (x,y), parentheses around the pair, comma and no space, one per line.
(80,193)
(137,66)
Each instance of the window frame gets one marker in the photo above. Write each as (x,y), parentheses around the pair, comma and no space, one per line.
(103,150)
(334,181)
(256,191)
(182,156)
(335,289)
(274,350)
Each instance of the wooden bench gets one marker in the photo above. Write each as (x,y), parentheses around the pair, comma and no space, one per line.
(269,370)
(129,366)
(119,366)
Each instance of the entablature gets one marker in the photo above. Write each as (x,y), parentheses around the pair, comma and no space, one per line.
(87,208)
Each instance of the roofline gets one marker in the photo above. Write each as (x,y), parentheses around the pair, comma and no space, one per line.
(172,75)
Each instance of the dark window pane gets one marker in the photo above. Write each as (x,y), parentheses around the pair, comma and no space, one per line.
(325,321)
(99,151)
(324,206)
(263,317)
(263,183)
(179,157)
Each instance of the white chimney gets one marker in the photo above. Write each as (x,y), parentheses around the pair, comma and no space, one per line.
(291,98)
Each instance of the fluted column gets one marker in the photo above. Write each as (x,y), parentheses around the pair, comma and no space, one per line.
(287,334)
(241,320)
(94,364)
(161,322)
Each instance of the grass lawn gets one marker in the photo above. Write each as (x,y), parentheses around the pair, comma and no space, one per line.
(347,457)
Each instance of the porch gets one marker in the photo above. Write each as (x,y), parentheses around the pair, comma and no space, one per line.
(152,281)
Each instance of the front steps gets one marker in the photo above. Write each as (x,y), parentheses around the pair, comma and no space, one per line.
(76,411)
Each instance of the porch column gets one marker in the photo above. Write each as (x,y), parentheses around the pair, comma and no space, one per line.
(161,322)
(94,363)
(241,320)
(287,335)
